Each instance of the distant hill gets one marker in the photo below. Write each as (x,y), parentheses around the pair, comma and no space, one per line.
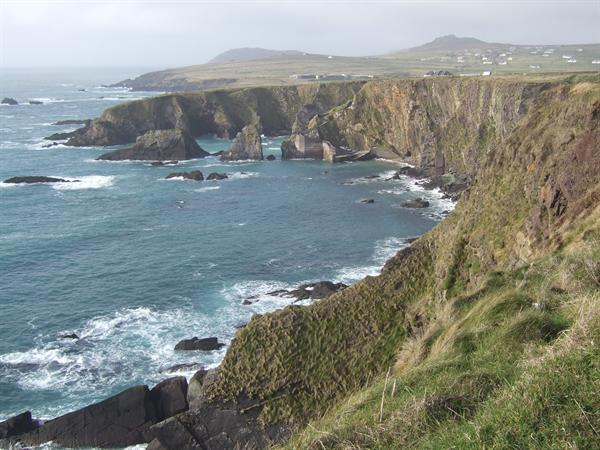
(249,54)
(452,42)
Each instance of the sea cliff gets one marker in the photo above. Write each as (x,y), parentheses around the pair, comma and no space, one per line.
(479,334)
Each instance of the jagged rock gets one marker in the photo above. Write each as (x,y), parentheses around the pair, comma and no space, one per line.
(271,158)
(160,145)
(35,102)
(195,175)
(72,122)
(37,179)
(9,101)
(246,145)
(59,136)
(204,344)
(416,203)
(118,421)
(170,397)
(195,390)
(216,176)
(19,424)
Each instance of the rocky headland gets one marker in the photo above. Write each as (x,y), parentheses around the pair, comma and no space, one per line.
(159,145)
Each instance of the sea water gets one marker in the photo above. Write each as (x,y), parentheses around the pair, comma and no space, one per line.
(131,263)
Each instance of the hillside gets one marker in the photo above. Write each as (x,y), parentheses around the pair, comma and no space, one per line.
(248,54)
(458,55)
(482,334)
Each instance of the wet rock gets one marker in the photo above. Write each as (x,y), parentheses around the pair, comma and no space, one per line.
(195,175)
(19,424)
(204,344)
(184,366)
(53,144)
(159,145)
(35,102)
(416,203)
(37,179)
(367,200)
(271,158)
(408,171)
(216,176)
(246,145)
(9,101)
(68,336)
(372,177)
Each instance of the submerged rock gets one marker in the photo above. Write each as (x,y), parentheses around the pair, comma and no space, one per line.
(367,200)
(271,158)
(37,179)
(159,145)
(68,336)
(35,102)
(9,101)
(416,203)
(195,175)
(215,176)
(246,145)
(204,344)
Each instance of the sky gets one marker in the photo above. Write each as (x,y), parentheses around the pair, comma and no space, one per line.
(161,34)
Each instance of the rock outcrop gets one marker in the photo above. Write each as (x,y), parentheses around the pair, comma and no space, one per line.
(416,203)
(9,101)
(118,421)
(37,179)
(194,175)
(204,344)
(246,145)
(159,145)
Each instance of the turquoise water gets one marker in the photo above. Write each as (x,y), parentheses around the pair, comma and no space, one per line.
(132,263)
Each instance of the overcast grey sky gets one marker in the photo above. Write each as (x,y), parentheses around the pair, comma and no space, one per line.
(151,33)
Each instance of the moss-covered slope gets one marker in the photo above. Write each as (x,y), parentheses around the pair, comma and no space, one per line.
(525,234)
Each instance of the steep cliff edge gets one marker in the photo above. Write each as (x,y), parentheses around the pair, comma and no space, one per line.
(500,296)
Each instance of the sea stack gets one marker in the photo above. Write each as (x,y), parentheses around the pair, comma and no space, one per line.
(159,145)
(246,145)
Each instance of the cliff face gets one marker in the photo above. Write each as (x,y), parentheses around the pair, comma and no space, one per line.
(223,113)
(466,290)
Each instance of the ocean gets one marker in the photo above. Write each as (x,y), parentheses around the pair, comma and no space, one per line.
(131,263)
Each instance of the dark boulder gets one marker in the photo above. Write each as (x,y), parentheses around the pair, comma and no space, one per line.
(35,102)
(416,203)
(246,145)
(59,136)
(271,158)
(52,144)
(19,424)
(9,101)
(164,163)
(37,179)
(159,145)
(204,344)
(367,200)
(195,175)
(169,397)
(409,171)
(214,176)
